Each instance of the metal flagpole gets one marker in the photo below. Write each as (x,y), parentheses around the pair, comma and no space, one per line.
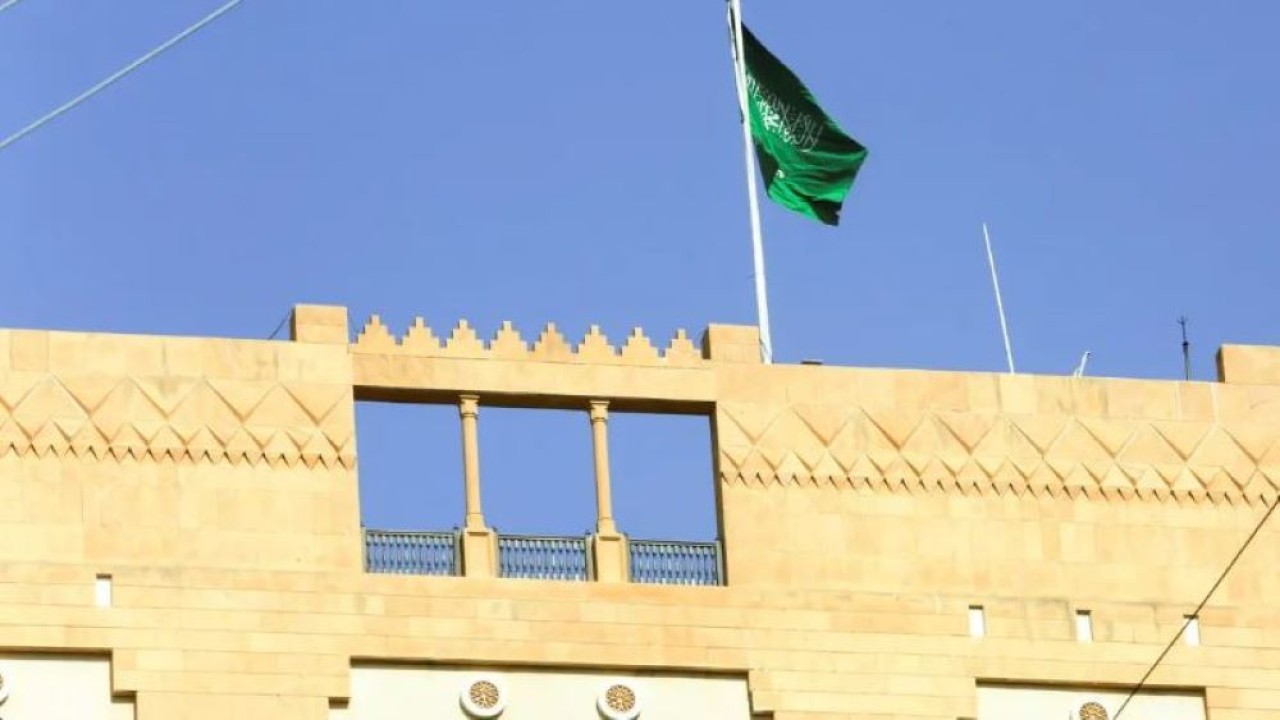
(757,240)
(995,281)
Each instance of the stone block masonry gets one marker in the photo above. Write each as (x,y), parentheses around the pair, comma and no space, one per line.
(863,513)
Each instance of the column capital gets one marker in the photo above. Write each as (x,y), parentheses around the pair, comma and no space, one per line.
(599,410)
(469,405)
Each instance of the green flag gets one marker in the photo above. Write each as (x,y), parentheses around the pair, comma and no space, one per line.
(807,161)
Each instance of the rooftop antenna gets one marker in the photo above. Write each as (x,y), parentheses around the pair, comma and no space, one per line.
(1084,360)
(1186,348)
(995,281)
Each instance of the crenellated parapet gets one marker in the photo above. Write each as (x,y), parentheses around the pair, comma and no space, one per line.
(551,345)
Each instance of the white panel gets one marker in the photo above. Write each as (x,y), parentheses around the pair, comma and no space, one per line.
(977,622)
(1191,635)
(383,692)
(102,591)
(1019,702)
(1084,626)
(60,687)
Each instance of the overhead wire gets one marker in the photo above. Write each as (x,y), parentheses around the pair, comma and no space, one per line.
(117,75)
(1199,608)
(8,4)
(280,327)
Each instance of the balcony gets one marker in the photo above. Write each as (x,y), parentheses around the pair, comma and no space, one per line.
(542,557)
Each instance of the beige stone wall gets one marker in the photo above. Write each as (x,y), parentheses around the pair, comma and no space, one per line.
(863,512)
(122,450)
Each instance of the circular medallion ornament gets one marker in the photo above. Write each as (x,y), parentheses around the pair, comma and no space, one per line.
(1092,711)
(619,701)
(484,697)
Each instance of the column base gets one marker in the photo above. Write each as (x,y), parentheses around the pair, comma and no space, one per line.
(612,558)
(479,553)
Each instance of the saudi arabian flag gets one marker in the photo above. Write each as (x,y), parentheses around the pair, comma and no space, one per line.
(807,161)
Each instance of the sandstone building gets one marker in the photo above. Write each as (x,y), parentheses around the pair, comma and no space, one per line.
(182,538)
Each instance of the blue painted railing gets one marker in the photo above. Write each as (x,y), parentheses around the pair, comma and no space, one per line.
(411,553)
(542,557)
(675,563)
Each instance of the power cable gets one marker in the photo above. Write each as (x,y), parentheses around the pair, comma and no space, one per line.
(7,4)
(1196,615)
(103,85)
(280,327)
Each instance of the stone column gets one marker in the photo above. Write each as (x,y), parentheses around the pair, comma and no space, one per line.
(479,543)
(469,409)
(600,449)
(609,547)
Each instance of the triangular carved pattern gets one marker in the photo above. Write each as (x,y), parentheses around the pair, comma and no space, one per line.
(894,451)
(550,345)
(281,424)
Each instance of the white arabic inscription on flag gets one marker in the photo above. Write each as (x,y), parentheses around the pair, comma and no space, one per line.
(794,126)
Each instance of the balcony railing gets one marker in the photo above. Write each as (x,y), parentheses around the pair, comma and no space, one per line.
(675,563)
(543,557)
(411,553)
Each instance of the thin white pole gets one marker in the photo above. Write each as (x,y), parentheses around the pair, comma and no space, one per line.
(995,281)
(1084,360)
(757,239)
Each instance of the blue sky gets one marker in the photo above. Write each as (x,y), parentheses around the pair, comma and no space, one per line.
(580,162)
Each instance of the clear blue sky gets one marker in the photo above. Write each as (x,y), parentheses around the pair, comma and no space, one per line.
(580,162)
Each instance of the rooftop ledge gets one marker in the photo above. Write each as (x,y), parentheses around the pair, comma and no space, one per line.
(184,399)
(719,344)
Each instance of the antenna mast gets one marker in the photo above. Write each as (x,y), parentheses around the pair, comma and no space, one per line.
(1084,360)
(995,282)
(1186,348)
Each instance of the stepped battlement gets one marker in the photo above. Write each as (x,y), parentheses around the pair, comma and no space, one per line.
(507,344)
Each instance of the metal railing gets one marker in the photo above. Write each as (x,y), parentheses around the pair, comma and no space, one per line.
(543,557)
(676,563)
(411,553)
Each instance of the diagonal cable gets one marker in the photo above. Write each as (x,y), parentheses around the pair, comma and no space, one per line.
(280,327)
(1195,615)
(117,75)
(7,4)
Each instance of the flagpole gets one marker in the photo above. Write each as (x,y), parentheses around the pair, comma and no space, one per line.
(757,239)
(995,281)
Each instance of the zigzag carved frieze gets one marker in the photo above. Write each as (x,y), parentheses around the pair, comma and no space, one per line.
(176,419)
(972,453)
(550,346)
